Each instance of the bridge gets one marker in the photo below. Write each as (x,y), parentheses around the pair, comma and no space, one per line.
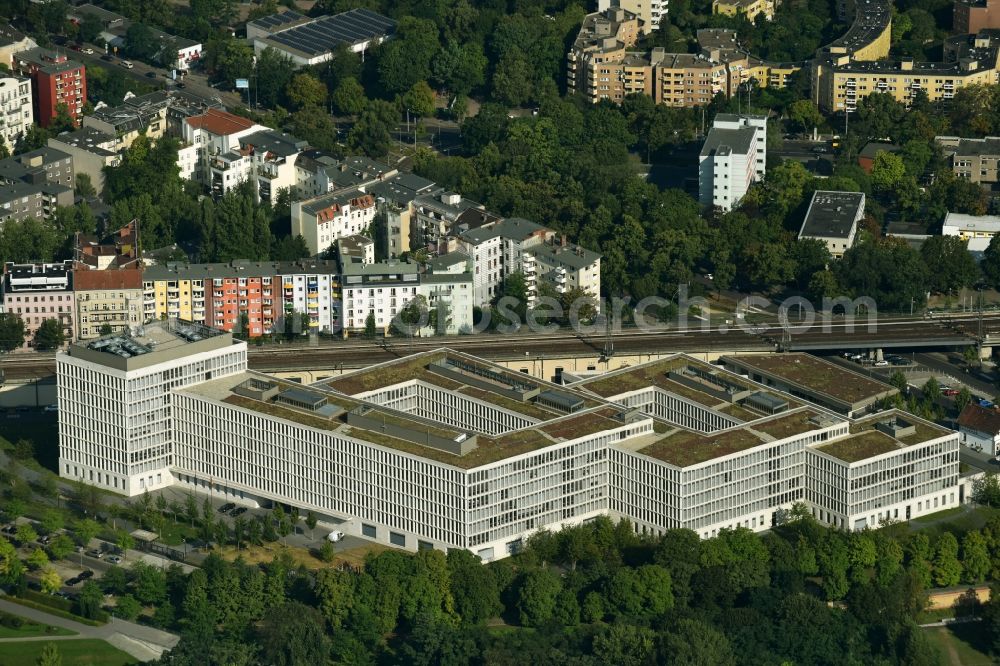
(835,333)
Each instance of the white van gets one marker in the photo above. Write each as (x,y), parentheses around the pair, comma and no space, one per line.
(334,537)
(127,65)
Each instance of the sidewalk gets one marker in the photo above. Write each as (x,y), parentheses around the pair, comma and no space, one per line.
(142,642)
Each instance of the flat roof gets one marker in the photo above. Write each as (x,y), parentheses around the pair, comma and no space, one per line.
(833,214)
(723,141)
(871,436)
(816,375)
(989,224)
(149,344)
(684,448)
(323,34)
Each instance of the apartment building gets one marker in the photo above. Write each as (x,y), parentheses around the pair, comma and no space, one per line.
(206,135)
(322,220)
(265,293)
(319,173)
(37,292)
(840,82)
(977,160)
(750,9)
(435,216)
(833,217)
(15,109)
(381,290)
(107,282)
(35,184)
(601,66)
(979,429)
(91,150)
(127,123)
(395,198)
(266,158)
(55,80)
(457,452)
(117,417)
(732,158)
(971,16)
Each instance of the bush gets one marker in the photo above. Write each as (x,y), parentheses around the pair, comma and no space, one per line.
(11,621)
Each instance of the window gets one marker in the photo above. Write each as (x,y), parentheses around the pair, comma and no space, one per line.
(397,539)
(368,531)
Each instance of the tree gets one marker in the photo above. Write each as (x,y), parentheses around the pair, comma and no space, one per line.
(947,568)
(311,521)
(887,171)
(149,583)
(406,58)
(536,597)
(986,491)
(90,28)
(50,656)
(26,534)
(327,552)
(50,580)
(11,332)
(24,449)
(274,73)
(370,133)
(49,335)
(624,645)
(803,112)
(293,635)
(140,42)
(419,100)
(125,542)
(370,328)
(963,399)
(128,607)
(85,529)
(460,67)
(88,604)
(114,581)
(60,547)
(693,642)
(949,264)
(975,557)
(37,559)
(473,587)
(306,90)
(348,97)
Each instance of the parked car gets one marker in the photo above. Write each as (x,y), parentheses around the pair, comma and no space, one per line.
(115,559)
(88,50)
(73,581)
(94,552)
(151,75)
(335,536)
(127,64)
(107,57)
(238,511)
(899,361)
(881,364)
(986,404)
(950,391)
(85,574)
(227,507)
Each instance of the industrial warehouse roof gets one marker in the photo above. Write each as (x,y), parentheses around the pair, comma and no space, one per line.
(325,33)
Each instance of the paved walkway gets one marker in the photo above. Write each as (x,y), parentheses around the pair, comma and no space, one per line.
(142,642)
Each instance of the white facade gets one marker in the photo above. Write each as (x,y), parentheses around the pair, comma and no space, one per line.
(977,440)
(378,289)
(897,486)
(314,294)
(116,416)
(976,230)
(323,220)
(452,292)
(651,12)
(15,107)
(198,419)
(733,157)
(213,133)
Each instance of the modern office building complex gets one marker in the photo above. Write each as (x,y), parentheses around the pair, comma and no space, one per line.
(444,450)
(116,417)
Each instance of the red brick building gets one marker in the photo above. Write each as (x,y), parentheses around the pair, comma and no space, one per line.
(54,80)
(971,16)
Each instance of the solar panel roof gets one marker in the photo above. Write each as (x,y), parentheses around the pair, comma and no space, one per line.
(325,33)
(275,20)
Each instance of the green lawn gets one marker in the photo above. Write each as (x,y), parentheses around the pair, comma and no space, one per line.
(31,628)
(83,652)
(960,645)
